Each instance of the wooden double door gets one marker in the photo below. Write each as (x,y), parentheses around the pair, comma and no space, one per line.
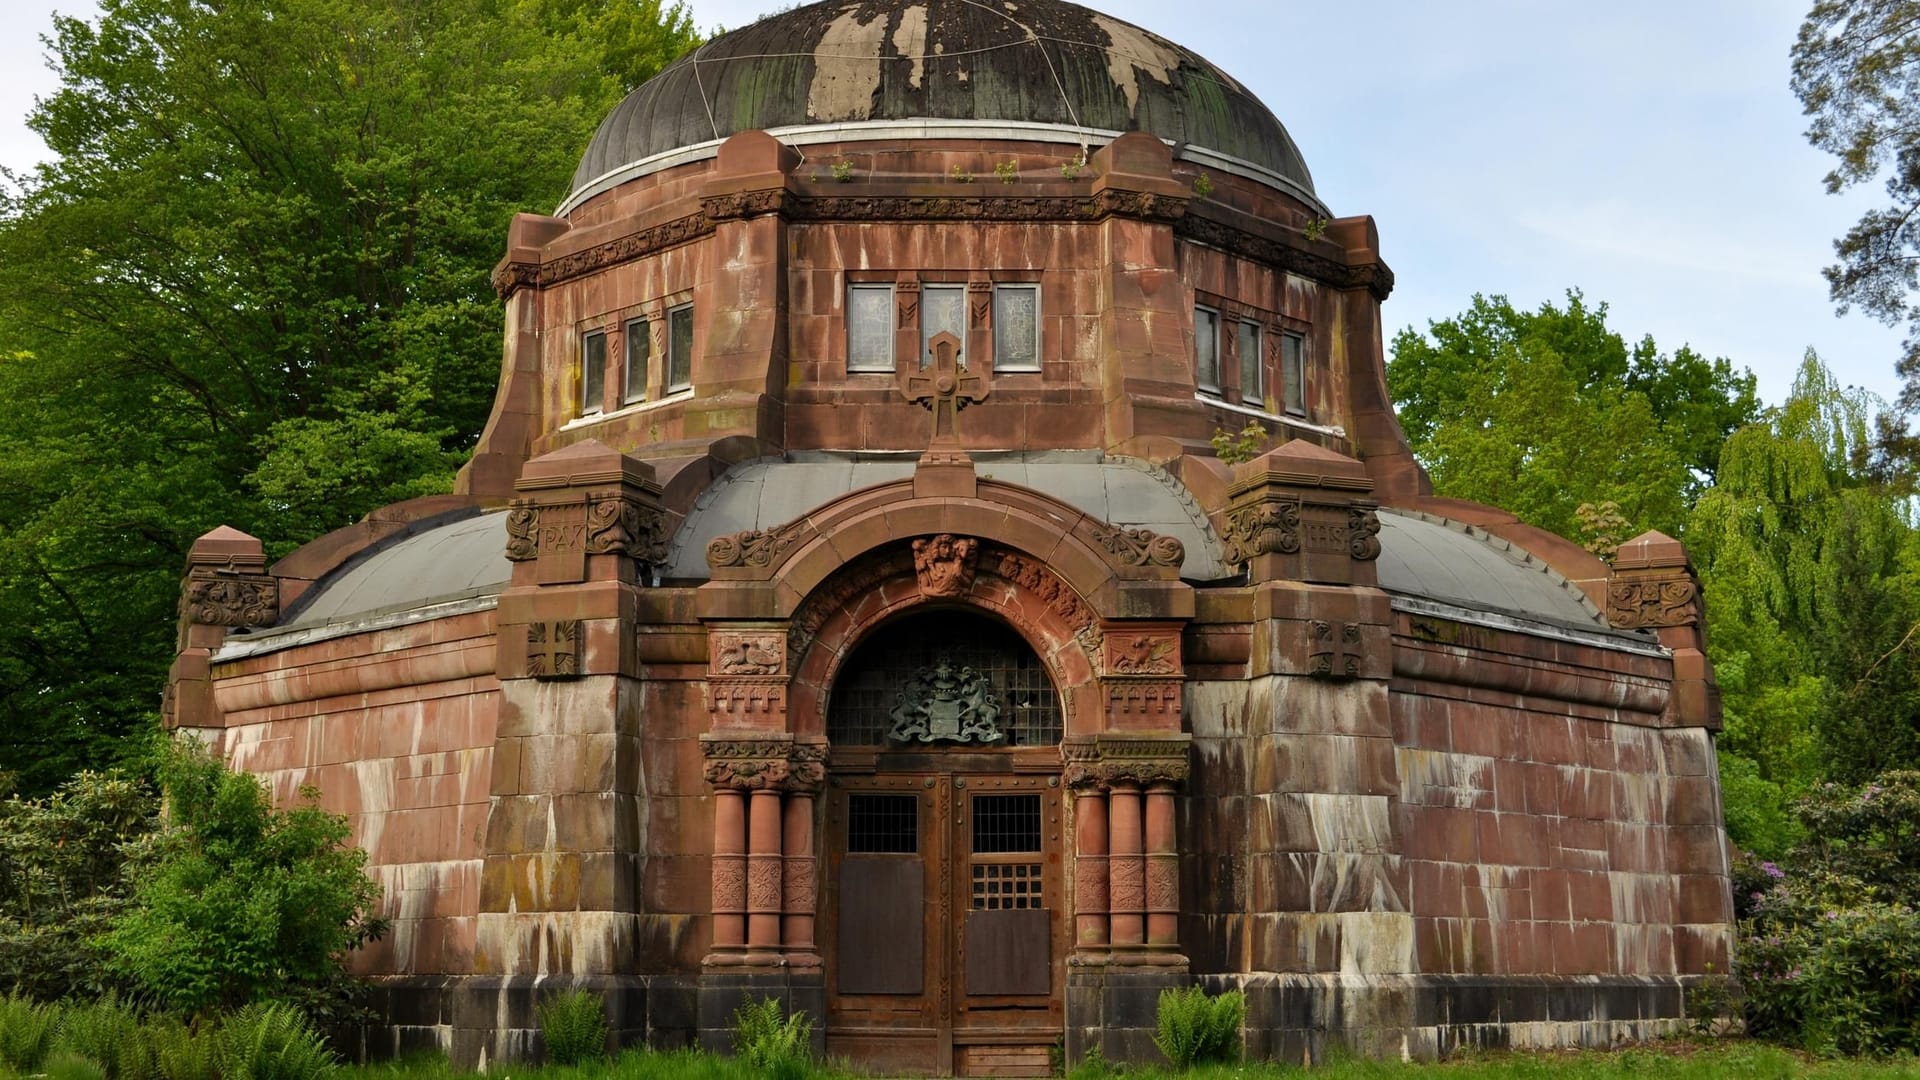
(946,923)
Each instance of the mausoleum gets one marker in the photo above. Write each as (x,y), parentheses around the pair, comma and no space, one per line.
(847,602)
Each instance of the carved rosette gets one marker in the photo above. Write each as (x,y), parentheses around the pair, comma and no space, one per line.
(1264,528)
(944,564)
(756,548)
(1140,547)
(219,596)
(1104,761)
(1652,602)
(748,763)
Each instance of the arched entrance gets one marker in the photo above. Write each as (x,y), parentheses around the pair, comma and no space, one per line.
(946,920)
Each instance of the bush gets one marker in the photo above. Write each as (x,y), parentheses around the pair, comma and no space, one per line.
(241,902)
(26,1034)
(574,1025)
(271,1042)
(1193,1028)
(771,1042)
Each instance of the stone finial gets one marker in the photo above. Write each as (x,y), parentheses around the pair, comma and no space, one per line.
(585,500)
(1653,587)
(1301,512)
(227,584)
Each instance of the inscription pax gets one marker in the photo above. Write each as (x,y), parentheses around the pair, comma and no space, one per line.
(563,544)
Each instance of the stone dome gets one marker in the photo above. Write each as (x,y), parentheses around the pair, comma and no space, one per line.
(1016,64)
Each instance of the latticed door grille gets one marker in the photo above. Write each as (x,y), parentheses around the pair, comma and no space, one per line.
(860,708)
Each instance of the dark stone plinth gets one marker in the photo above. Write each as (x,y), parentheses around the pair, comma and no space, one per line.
(1114,1009)
(477,1020)
(721,993)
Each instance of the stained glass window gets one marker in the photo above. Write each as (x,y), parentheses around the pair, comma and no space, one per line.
(869,328)
(1016,328)
(943,310)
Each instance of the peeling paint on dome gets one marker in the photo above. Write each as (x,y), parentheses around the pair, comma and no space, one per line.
(846,69)
(910,41)
(1131,50)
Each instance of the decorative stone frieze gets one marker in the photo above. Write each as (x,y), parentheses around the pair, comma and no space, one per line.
(1302,513)
(1635,605)
(747,762)
(1106,760)
(754,548)
(759,652)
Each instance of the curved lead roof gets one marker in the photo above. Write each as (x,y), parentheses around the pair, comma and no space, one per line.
(1018,61)
(410,577)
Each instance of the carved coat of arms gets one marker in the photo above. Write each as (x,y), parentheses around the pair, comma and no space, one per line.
(945,702)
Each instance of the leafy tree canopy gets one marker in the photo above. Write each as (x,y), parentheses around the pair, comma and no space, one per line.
(1856,70)
(1542,412)
(251,288)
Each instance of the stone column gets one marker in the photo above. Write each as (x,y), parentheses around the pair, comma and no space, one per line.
(1163,868)
(729,874)
(1090,899)
(798,889)
(1127,863)
(764,872)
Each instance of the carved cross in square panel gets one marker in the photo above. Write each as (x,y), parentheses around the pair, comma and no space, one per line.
(946,388)
(1333,650)
(553,649)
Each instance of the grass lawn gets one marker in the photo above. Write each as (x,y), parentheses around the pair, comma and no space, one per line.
(1688,1060)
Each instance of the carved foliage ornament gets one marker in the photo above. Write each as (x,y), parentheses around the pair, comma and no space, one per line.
(746,764)
(553,649)
(1333,650)
(615,526)
(1632,605)
(1140,547)
(945,702)
(1264,528)
(944,564)
(1363,533)
(219,597)
(1105,762)
(758,548)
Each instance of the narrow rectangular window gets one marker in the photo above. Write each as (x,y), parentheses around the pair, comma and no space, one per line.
(943,310)
(593,371)
(639,350)
(680,347)
(1016,328)
(1253,384)
(883,824)
(1206,348)
(1293,370)
(870,328)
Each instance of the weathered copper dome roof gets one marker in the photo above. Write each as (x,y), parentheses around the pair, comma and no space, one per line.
(1015,62)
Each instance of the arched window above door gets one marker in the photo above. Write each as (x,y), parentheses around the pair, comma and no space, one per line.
(944,678)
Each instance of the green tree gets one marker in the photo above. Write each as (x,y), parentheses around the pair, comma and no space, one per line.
(240,902)
(252,288)
(1542,412)
(1856,70)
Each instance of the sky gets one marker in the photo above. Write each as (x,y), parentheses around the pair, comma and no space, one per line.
(1646,152)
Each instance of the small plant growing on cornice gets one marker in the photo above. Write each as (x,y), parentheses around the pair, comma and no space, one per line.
(843,171)
(1007,171)
(1203,185)
(1071,168)
(1315,228)
(960,175)
(1236,449)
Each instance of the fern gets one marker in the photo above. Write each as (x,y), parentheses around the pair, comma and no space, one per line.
(26,1033)
(574,1025)
(105,1033)
(1192,1028)
(771,1043)
(272,1042)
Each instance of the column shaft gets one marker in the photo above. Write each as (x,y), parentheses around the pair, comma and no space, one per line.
(729,870)
(1127,866)
(1090,901)
(799,884)
(763,871)
(1163,868)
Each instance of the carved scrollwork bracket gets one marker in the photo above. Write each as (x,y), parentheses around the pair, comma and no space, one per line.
(1139,547)
(755,549)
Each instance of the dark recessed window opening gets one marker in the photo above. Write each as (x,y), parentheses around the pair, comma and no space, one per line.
(883,824)
(1293,370)
(680,347)
(639,350)
(593,371)
(885,674)
(1004,824)
(1206,349)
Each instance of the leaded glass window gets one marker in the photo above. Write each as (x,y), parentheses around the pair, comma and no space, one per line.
(943,310)
(886,679)
(593,371)
(1253,386)
(1016,328)
(639,350)
(1206,349)
(1293,363)
(680,347)
(870,328)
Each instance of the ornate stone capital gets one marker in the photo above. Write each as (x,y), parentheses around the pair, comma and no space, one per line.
(747,762)
(1652,602)
(807,766)
(227,583)
(1105,760)
(1301,513)
(586,499)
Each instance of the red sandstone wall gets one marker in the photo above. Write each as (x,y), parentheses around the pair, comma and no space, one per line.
(396,729)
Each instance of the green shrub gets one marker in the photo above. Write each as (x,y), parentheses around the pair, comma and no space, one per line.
(68,1065)
(241,902)
(1193,1028)
(107,1034)
(271,1042)
(574,1025)
(771,1042)
(26,1033)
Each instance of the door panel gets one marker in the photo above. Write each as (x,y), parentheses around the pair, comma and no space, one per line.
(882,925)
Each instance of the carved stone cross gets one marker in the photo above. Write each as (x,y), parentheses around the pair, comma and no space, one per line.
(946,388)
